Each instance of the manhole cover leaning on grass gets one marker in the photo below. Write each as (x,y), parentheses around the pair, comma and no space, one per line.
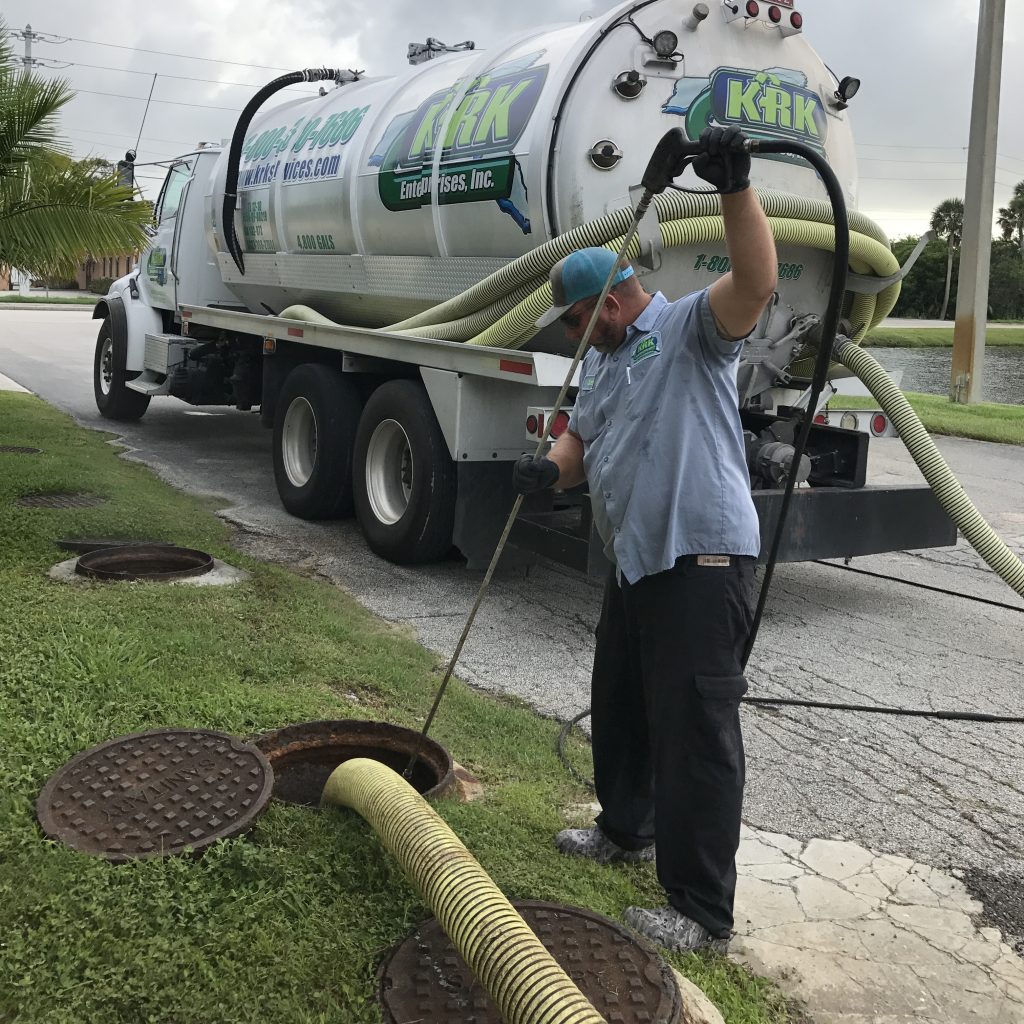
(304,755)
(156,562)
(19,449)
(425,978)
(156,794)
(60,499)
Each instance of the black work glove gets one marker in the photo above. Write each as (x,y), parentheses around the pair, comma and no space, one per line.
(530,474)
(667,161)
(724,162)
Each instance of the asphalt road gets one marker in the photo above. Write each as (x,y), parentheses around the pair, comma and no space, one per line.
(949,794)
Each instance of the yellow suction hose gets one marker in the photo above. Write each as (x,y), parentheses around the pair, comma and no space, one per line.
(521,976)
(936,471)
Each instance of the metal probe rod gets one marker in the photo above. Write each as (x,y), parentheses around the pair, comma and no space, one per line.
(638,215)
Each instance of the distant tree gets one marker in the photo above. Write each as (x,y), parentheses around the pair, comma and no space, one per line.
(54,211)
(948,224)
(1011,218)
(921,290)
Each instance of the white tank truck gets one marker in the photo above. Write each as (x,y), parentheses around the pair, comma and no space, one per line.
(366,265)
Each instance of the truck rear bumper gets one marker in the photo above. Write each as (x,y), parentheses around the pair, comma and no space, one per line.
(823,522)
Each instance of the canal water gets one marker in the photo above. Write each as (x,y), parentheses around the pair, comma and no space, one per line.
(928,369)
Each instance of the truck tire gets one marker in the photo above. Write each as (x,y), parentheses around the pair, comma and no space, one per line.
(405,480)
(109,377)
(314,434)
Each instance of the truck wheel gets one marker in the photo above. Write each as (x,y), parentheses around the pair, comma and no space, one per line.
(109,377)
(314,434)
(405,478)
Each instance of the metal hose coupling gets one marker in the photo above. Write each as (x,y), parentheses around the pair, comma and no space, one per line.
(524,980)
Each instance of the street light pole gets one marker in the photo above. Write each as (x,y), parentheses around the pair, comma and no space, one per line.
(966,378)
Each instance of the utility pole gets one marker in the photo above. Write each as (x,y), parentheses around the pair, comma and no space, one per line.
(966,378)
(28,35)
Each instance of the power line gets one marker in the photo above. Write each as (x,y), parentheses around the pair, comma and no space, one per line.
(180,78)
(142,99)
(183,56)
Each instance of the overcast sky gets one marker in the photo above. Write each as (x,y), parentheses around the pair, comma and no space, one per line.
(911,118)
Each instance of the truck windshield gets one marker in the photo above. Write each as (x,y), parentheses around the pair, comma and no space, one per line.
(170,195)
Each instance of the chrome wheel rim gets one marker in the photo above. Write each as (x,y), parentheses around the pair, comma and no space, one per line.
(106,366)
(298,442)
(389,471)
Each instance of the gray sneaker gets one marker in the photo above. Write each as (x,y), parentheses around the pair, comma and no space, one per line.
(669,928)
(593,844)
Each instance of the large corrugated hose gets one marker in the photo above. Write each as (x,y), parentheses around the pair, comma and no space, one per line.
(521,976)
(947,488)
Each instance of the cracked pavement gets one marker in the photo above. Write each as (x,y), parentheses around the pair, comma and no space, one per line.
(945,799)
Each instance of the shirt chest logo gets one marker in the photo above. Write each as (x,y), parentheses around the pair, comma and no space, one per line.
(589,382)
(646,348)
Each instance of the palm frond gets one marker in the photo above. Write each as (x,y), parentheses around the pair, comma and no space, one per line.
(61,216)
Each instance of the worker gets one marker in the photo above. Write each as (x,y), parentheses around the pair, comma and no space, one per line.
(656,434)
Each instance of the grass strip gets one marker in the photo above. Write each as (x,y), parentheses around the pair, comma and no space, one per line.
(62,300)
(986,421)
(290,923)
(937,337)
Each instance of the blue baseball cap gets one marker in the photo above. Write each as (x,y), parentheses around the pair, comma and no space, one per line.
(579,276)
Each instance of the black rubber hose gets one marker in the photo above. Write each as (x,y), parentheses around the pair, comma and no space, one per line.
(235,150)
(840,267)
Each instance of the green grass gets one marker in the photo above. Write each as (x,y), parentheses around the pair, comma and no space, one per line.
(290,923)
(986,421)
(936,337)
(63,300)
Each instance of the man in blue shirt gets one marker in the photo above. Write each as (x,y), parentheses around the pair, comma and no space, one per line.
(656,434)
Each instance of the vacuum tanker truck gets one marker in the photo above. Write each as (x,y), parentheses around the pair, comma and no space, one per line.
(366,266)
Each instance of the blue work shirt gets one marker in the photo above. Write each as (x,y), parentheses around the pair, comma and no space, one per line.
(662,441)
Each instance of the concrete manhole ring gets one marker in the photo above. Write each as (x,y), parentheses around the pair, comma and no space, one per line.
(425,978)
(156,794)
(304,755)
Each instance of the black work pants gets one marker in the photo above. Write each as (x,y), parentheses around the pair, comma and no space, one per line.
(668,750)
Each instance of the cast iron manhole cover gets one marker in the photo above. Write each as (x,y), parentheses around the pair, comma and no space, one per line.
(152,794)
(17,449)
(61,499)
(154,562)
(424,978)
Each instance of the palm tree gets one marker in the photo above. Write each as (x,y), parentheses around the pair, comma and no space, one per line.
(948,223)
(53,211)
(1011,217)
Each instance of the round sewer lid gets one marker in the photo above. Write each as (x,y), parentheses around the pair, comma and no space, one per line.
(425,978)
(156,794)
(60,499)
(17,449)
(155,562)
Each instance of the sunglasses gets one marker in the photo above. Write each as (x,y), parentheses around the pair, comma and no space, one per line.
(573,320)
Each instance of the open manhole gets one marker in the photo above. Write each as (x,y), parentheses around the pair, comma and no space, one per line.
(425,978)
(83,545)
(156,794)
(18,449)
(60,499)
(143,562)
(304,755)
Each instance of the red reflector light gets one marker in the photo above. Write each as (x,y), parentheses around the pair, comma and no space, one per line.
(513,366)
(775,14)
(531,424)
(796,19)
(558,428)
(821,418)
(878,424)
(752,8)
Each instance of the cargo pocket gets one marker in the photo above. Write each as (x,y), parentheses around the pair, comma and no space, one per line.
(724,688)
(721,740)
